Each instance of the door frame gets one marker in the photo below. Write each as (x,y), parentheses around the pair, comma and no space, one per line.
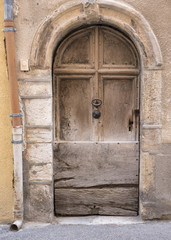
(129,21)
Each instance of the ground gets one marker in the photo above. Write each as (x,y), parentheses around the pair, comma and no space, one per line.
(93,229)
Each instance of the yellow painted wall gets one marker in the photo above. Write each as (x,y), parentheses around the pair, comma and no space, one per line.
(6,161)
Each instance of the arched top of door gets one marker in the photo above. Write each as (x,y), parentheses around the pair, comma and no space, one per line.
(73,15)
(114,49)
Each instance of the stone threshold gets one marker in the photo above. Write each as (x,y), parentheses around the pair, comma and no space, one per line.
(97,220)
(87,220)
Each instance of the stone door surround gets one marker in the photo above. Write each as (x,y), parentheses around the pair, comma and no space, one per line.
(37,99)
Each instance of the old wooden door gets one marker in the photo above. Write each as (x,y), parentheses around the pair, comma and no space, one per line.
(96,106)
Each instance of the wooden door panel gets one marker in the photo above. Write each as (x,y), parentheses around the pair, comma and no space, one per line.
(116,50)
(95,165)
(118,109)
(118,201)
(74,105)
(77,51)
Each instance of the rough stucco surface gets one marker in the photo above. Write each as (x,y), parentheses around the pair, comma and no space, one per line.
(156,157)
(6,165)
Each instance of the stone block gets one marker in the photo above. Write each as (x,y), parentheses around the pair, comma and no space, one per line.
(28,88)
(41,172)
(163,178)
(39,135)
(166,149)
(151,139)
(38,111)
(149,211)
(160,206)
(39,153)
(166,133)
(166,104)
(39,203)
(151,97)
(147,177)
(148,207)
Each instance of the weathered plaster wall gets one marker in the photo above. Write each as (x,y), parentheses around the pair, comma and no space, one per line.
(156,157)
(158,15)
(6,162)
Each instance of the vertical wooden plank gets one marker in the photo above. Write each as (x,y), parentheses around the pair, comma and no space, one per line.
(74,104)
(96,86)
(55,105)
(119,104)
(137,106)
(58,107)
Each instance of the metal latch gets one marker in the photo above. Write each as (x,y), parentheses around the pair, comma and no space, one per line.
(137,112)
(96,102)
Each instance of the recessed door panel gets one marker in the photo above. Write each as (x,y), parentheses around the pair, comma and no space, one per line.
(74,110)
(76,51)
(116,51)
(96,120)
(118,106)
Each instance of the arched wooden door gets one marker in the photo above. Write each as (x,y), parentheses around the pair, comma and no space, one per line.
(96,116)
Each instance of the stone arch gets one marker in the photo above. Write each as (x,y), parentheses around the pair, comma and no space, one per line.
(73,15)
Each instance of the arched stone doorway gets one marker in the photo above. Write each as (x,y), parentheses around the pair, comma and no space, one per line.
(96,112)
(39,130)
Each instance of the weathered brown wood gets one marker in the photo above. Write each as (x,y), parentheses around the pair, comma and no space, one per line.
(76,50)
(74,109)
(92,164)
(119,201)
(118,104)
(119,71)
(96,160)
(116,49)
(74,71)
